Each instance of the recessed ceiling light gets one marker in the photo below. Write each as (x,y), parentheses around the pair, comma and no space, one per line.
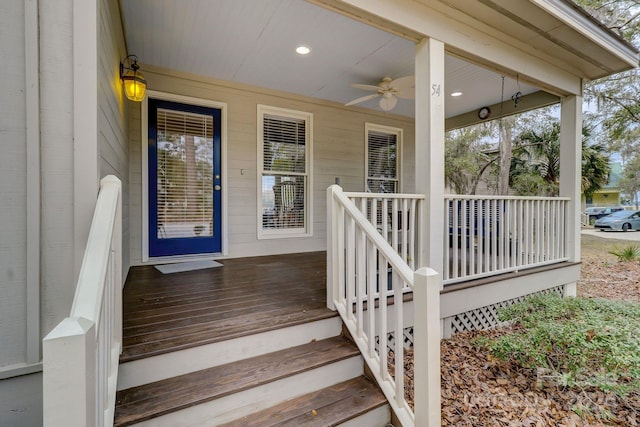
(455,94)
(303,50)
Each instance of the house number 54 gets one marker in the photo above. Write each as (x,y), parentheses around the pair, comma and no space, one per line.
(435,90)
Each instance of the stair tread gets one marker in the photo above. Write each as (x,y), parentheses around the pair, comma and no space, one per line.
(330,406)
(158,398)
(160,342)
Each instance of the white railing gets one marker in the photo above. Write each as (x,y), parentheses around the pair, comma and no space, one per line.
(395,216)
(490,235)
(361,268)
(584,219)
(80,355)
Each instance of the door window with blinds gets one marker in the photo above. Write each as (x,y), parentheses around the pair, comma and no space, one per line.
(383,155)
(184,164)
(284,150)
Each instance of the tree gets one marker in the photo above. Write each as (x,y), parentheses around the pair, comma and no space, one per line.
(630,181)
(616,97)
(535,166)
(466,158)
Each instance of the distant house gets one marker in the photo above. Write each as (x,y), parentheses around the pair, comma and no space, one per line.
(608,195)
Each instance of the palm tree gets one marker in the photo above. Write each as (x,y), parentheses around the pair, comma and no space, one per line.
(535,166)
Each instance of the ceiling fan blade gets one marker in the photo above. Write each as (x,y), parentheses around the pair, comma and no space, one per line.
(405,87)
(362,99)
(365,87)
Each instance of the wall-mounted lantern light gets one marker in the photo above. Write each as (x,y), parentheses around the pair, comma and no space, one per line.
(134,83)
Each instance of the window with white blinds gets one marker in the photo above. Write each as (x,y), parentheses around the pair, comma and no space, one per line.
(382,158)
(284,139)
(184,174)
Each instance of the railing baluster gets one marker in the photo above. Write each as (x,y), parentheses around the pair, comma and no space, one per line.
(472,237)
(405,226)
(399,336)
(412,235)
(446,249)
(496,234)
(361,279)
(371,299)
(455,237)
(382,332)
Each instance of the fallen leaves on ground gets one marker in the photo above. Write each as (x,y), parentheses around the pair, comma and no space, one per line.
(480,390)
(603,276)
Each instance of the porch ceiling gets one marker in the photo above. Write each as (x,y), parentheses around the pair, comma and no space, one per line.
(253,42)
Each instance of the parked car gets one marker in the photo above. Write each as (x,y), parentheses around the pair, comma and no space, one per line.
(600,212)
(621,220)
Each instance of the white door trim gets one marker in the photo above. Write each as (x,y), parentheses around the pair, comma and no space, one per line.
(145,173)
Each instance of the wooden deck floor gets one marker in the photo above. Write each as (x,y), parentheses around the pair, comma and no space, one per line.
(163,313)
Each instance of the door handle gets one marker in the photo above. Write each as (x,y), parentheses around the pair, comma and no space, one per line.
(217,187)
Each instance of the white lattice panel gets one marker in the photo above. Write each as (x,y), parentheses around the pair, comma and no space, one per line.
(391,339)
(487,317)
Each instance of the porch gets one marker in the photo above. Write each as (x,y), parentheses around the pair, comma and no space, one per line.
(254,338)
(163,313)
(168,312)
(219,319)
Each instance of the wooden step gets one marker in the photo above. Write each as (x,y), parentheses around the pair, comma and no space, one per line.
(146,402)
(156,368)
(331,406)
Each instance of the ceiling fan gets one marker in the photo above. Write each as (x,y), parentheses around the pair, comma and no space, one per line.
(389,90)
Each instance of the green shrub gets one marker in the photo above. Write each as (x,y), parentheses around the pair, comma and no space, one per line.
(628,253)
(579,341)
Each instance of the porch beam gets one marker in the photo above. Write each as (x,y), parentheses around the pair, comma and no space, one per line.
(429,154)
(571,173)
(528,102)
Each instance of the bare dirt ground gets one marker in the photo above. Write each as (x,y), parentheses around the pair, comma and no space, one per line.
(479,390)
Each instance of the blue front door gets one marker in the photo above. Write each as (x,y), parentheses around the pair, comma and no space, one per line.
(184,179)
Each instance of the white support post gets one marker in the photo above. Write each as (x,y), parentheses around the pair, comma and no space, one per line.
(570,173)
(69,378)
(429,157)
(332,273)
(426,347)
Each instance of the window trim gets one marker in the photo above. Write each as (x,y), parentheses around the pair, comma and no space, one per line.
(399,132)
(307,230)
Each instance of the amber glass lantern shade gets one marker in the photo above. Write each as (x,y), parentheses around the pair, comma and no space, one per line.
(134,83)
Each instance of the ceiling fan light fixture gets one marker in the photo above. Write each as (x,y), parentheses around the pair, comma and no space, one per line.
(388,101)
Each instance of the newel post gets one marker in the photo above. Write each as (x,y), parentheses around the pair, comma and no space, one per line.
(426,347)
(69,374)
(332,254)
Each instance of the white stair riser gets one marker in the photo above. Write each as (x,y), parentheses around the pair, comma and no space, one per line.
(246,402)
(379,417)
(193,359)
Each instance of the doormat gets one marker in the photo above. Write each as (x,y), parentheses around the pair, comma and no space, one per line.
(180,267)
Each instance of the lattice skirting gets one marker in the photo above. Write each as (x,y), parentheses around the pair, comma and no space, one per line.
(391,339)
(473,320)
(486,317)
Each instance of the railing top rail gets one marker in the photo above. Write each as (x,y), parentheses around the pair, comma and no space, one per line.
(400,267)
(485,197)
(384,195)
(86,302)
